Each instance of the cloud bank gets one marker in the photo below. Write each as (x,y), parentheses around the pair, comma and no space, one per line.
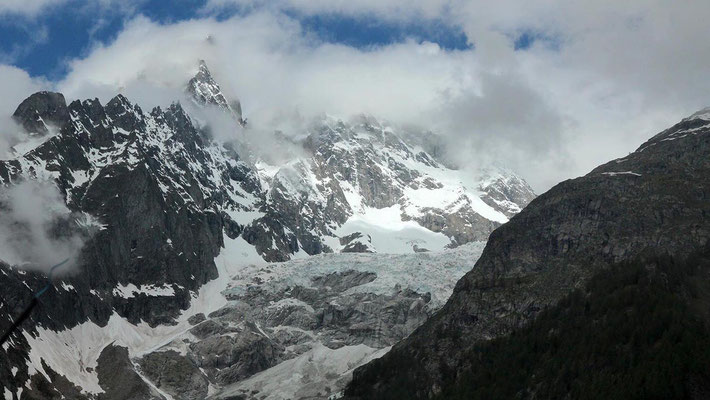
(590,83)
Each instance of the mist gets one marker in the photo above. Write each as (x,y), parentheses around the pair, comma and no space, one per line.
(16,86)
(37,230)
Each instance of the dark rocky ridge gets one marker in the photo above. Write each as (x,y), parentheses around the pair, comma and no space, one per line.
(149,183)
(654,201)
(126,196)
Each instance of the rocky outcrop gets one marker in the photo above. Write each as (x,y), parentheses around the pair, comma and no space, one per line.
(653,201)
(462,226)
(175,374)
(505,191)
(42,111)
(232,357)
(357,243)
(118,378)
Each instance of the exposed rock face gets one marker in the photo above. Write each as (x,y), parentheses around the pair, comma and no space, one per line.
(357,243)
(233,357)
(305,203)
(506,192)
(653,201)
(464,225)
(174,374)
(60,388)
(118,378)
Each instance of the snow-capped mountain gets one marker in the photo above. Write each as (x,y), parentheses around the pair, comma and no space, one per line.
(167,214)
(361,177)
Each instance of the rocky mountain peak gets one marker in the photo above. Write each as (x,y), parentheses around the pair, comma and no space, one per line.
(41,111)
(204,90)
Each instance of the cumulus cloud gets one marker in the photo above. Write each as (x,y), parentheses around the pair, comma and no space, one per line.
(596,80)
(36,228)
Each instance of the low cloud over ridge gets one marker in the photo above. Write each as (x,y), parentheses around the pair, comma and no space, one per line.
(585,87)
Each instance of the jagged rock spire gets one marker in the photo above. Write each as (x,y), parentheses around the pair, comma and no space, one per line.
(205,91)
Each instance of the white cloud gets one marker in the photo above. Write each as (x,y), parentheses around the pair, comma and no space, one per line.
(17,85)
(35,225)
(272,66)
(607,77)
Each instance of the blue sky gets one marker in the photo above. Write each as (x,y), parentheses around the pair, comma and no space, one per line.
(42,44)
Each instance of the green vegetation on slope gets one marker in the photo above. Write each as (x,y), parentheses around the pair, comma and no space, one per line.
(638,331)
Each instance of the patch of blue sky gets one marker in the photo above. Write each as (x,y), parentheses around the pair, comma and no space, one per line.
(525,39)
(367,31)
